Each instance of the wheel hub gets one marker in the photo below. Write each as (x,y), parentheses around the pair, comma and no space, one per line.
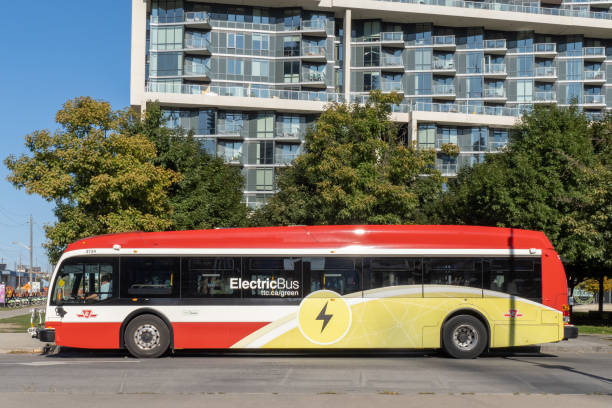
(465,337)
(146,337)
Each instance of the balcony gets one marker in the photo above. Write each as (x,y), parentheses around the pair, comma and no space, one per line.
(285,159)
(314,53)
(391,86)
(392,39)
(594,53)
(289,135)
(495,70)
(594,77)
(594,100)
(229,131)
(494,94)
(197,46)
(444,67)
(497,146)
(197,19)
(545,50)
(444,42)
(544,97)
(313,79)
(392,63)
(545,74)
(495,46)
(443,91)
(314,27)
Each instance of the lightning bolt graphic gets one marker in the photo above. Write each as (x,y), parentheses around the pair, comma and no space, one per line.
(324,317)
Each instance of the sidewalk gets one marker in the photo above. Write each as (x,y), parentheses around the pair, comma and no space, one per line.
(6,313)
(586,343)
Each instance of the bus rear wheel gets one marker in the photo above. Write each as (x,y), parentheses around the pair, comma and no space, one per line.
(147,336)
(464,336)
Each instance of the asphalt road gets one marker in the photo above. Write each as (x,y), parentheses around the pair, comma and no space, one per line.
(104,378)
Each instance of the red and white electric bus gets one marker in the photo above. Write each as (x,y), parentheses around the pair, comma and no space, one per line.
(459,288)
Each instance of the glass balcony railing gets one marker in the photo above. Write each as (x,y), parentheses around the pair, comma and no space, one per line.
(494,93)
(495,44)
(286,158)
(499,5)
(392,36)
(594,75)
(545,47)
(443,40)
(313,76)
(197,17)
(545,72)
(494,68)
(313,51)
(594,52)
(443,64)
(196,70)
(447,169)
(313,25)
(391,86)
(197,43)
(392,61)
(544,96)
(443,90)
(497,146)
(594,99)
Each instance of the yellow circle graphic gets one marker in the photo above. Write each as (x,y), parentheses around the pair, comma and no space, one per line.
(324,317)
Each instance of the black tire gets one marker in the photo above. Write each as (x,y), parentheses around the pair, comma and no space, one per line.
(464,336)
(147,336)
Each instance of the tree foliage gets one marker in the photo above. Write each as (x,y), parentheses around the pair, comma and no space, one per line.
(355,169)
(555,177)
(101,178)
(209,194)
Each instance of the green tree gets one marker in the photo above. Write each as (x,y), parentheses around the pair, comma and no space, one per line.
(355,169)
(101,178)
(554,177)
(209,194)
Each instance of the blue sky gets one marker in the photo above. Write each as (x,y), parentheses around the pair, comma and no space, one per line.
(53,51)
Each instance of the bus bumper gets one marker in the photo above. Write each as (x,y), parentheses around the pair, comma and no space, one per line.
(570,332)
(44,335)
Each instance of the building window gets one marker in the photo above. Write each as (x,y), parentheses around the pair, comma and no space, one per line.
(371,81)
(235,41)
(525,66)
(291,72)
(261,42)
(524,91)
(422,83)
(474,63)
(371,31)
(265,126)
(291,46)
(235,67)
(166,38)
(427,136)
(233,122)
(290,126)
(229,151)
(264,179)
(422,59)
(474,87)
(286,152)
(265,153)
(236,14)
(371,56)
(260,68)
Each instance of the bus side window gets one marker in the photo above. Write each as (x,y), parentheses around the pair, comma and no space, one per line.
(452,272)
(340,275)
(209,277)
(518,277)
(385,272)
(150,276)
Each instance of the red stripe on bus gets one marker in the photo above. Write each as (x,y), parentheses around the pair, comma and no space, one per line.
(212,334)
(86,335)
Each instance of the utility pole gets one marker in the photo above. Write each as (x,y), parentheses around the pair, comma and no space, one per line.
(31,252)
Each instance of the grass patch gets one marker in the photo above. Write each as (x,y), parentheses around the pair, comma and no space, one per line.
(585,329)
(16,324)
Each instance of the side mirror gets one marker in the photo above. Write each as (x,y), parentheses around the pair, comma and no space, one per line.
(60,311)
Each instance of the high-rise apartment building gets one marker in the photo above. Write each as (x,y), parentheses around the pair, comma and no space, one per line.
(249,77)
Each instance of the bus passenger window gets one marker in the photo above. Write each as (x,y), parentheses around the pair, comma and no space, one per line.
(210,277)
(149,277)
(271,278)
(457,272)
(518,277)
(340,275)
(393,271)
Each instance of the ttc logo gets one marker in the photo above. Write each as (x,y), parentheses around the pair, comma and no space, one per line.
(513,313)
(324,317)
(87,314)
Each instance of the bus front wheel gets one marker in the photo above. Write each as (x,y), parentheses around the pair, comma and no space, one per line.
(147,336)
(464,336)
